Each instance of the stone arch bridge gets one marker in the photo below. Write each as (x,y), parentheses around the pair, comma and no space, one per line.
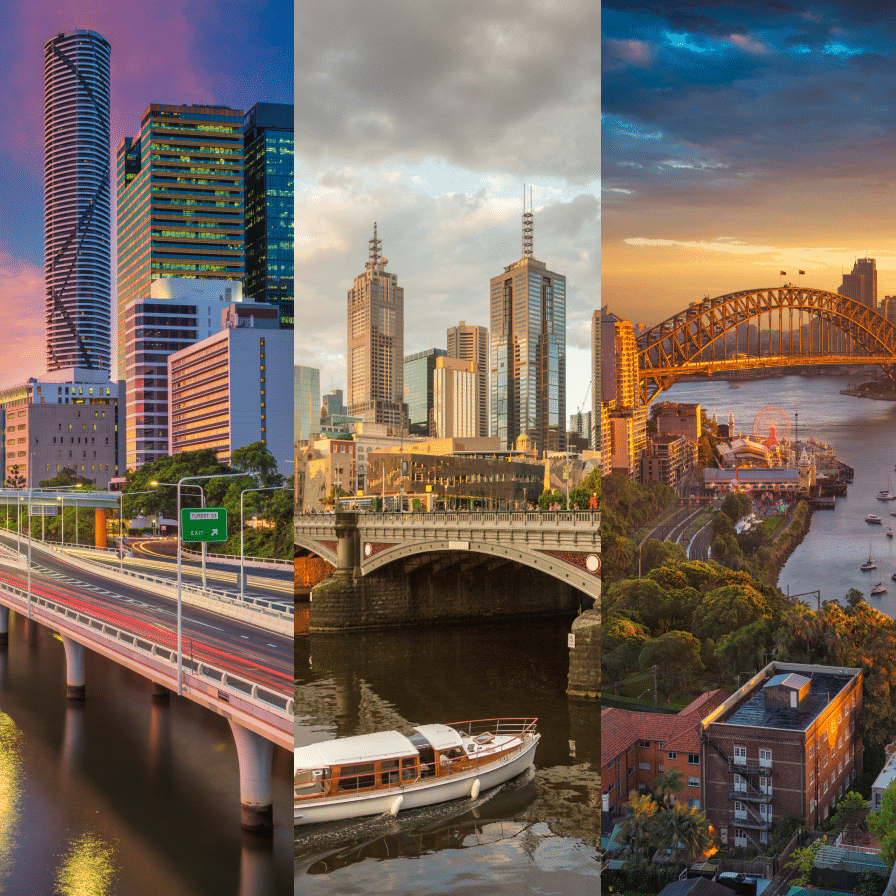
(565,545)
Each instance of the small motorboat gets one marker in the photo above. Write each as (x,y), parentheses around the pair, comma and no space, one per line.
(873,518)
(385,772)
(879,588)
(889,533)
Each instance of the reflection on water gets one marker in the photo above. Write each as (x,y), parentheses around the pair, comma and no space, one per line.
(88,869)
(539,831)
(10,792)
(122,794)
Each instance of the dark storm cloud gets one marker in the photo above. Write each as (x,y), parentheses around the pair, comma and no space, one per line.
(500,84)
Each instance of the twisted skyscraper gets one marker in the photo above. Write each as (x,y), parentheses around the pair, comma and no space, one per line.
(77,258)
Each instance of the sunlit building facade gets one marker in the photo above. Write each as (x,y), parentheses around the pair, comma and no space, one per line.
(467,342)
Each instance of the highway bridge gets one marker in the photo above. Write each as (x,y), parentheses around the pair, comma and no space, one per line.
(237,660)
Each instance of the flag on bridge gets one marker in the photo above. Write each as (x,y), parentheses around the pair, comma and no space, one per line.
(802,272)
(783,273)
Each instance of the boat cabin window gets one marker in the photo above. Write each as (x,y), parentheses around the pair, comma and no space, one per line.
(484,738)
(389,771)
(357,777)
(408,769)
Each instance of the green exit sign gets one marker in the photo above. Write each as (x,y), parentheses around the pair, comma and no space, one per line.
(203,524)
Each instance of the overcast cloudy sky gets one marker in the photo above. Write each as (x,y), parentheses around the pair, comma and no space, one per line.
(428,118)
(740,139)
(222,52)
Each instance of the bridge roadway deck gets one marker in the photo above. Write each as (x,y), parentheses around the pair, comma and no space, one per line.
(245,652)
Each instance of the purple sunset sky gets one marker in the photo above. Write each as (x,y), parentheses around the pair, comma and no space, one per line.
(226,53)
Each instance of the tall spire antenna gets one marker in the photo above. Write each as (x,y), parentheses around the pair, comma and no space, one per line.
(527,225)
(375,245)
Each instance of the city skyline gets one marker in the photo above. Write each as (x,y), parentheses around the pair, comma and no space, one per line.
(740,142)
(441,164)
(184,66)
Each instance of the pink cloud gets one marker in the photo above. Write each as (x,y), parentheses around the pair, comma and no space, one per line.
(154,59)
(22,337)
(749,44)
(639,53)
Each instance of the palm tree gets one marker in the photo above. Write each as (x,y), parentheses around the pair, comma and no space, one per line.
(684,831)
(621,554)
(637,827)
(666,786)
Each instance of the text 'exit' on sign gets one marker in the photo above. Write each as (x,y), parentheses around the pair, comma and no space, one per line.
(207,524)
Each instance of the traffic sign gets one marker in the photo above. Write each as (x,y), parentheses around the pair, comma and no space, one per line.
(203,524)
(44,510)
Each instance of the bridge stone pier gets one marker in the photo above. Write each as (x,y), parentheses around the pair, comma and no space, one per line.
(412,568)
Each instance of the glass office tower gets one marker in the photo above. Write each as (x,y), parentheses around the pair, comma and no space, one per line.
(268,141)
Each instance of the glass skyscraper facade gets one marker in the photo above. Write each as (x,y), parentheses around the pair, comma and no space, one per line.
(528,355)
(180,203)
(419,369)
(307,402)
(269,141)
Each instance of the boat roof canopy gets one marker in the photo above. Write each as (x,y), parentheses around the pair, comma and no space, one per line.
(352,750)
(440,736)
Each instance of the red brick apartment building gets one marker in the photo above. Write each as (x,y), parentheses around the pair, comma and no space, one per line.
(638,747)
(784,743)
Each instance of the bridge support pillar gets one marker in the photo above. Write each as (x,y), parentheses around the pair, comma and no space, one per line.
(4,627)
(74,668)
(348,544)
(584,656)
(160,694)
(256,801)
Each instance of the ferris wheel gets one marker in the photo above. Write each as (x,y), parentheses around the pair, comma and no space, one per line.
(771,426)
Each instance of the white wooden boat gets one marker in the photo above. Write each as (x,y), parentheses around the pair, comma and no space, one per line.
(385,772)
(873,518)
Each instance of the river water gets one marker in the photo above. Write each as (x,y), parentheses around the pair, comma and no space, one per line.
(538,833)
(863,432)
(120,795)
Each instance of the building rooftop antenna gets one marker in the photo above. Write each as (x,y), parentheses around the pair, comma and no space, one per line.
(375,245)
(528,225)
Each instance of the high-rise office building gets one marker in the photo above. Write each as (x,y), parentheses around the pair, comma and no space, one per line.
(580,424)
(180,201)
(419,372)
(528,352)
(306,390)
(176,314)
(334,403)
(455,399)
(268,145)
(376,343)
(77,202)
(470,343)
(618,361)
(861,284)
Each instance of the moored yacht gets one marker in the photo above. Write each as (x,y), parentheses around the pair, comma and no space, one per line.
(385,772)
(879,588)
(873,518)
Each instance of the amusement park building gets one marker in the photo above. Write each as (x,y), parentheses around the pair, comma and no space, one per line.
(794,480)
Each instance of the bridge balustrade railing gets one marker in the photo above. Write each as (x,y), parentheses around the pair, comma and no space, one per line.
(560,518)
(240,686)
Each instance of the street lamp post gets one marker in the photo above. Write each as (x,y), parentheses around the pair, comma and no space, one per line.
(180,482)
(270,488)
(121,525)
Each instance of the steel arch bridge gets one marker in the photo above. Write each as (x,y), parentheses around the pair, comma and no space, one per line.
(695,340)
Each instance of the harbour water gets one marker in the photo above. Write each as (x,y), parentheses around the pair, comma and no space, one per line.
(120,794)
(863,432)
(538,833)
